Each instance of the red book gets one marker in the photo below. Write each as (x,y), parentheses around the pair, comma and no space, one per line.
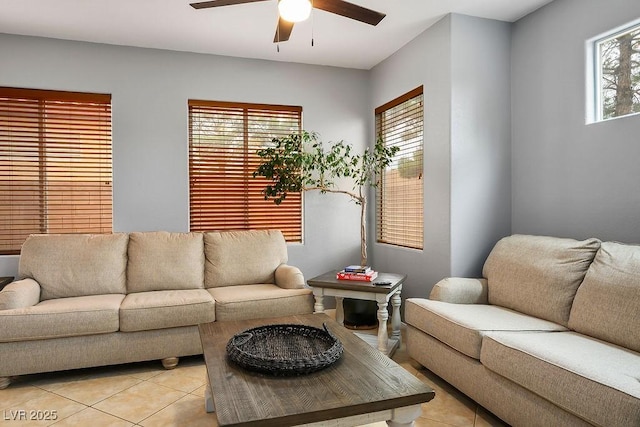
(360,277)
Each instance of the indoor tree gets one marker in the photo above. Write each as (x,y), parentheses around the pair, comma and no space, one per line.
(301,162)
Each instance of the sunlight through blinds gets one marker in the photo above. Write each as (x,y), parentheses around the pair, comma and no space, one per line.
(400,196)
(55,164)
(223,140)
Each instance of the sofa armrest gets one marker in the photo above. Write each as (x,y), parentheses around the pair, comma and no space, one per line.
(460,290)
(289,277)
(20,294)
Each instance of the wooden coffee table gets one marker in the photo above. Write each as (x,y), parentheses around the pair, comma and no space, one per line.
(363,387)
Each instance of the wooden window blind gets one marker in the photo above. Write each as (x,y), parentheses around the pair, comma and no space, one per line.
(223,140)
(400,197)
(55,164)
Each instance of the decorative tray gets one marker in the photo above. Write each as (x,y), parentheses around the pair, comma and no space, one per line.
(284,350)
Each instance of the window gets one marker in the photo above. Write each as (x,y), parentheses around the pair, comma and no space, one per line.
(223,140)
(618,73)
(55,164)
(400,196)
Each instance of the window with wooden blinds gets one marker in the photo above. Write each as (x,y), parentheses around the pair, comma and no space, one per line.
(400,196)
(55,164)
(223,140)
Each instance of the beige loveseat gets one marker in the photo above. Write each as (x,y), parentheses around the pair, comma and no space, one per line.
(91,300)
(549,337)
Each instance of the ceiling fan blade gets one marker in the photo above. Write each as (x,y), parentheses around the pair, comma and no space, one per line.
(350,10)
(216,3)
(283,31)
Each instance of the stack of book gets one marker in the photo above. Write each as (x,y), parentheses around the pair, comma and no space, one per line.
(361,273)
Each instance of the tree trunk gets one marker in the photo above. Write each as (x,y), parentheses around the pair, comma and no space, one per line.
(624,89)
(363,231)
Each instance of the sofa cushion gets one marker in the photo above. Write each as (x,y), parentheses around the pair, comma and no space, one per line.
(577,373)
(72,265)
(61,317)
(463,326)
(166,309)
(607,304)
(258,301)
(538,275)
(243,257)
(160,261)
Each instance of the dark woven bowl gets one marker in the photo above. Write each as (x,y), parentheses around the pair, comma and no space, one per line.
(284,350)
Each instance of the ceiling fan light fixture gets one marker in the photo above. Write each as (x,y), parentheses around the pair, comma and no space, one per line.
(294,10)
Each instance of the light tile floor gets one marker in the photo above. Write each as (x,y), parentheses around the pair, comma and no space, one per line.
(144,394)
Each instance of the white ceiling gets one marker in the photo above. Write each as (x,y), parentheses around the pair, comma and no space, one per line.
(245,30)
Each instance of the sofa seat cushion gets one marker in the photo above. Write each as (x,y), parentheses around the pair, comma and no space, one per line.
(538,275)
(577,373)
(163,261)
(463,326)
(144,311)
(75,265)
(607,304)
(61,317)
(260,301)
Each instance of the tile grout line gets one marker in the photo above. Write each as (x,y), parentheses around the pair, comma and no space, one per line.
(92,406)
(161,409)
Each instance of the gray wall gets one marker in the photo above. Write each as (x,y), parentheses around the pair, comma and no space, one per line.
(463,63)
(480,140)
(150,89)
(569,178)
(426,61)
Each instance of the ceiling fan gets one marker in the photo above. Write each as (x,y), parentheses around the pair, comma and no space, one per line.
(300,10)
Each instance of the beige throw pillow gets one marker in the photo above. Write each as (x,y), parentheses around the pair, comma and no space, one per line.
(243,257)
(72,265)
(538,275)
(607,305)
(162,261)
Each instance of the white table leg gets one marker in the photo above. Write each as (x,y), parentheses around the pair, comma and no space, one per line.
(340,311)
(395,319)
(208,399)
(383,336)
(404,417)
(318,294)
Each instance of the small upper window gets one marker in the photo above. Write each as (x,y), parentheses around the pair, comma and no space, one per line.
(618,73)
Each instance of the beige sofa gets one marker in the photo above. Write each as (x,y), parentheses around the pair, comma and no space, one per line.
(91,300)
(549,337)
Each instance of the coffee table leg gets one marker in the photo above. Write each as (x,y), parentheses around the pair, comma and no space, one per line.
(404,417)
(383,336)
(339,310)
(395,319)
(208,399)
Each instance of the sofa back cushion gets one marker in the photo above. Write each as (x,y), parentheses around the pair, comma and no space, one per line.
(243,257)
(163,261)
(74,265)
(538,275)
(607,304)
